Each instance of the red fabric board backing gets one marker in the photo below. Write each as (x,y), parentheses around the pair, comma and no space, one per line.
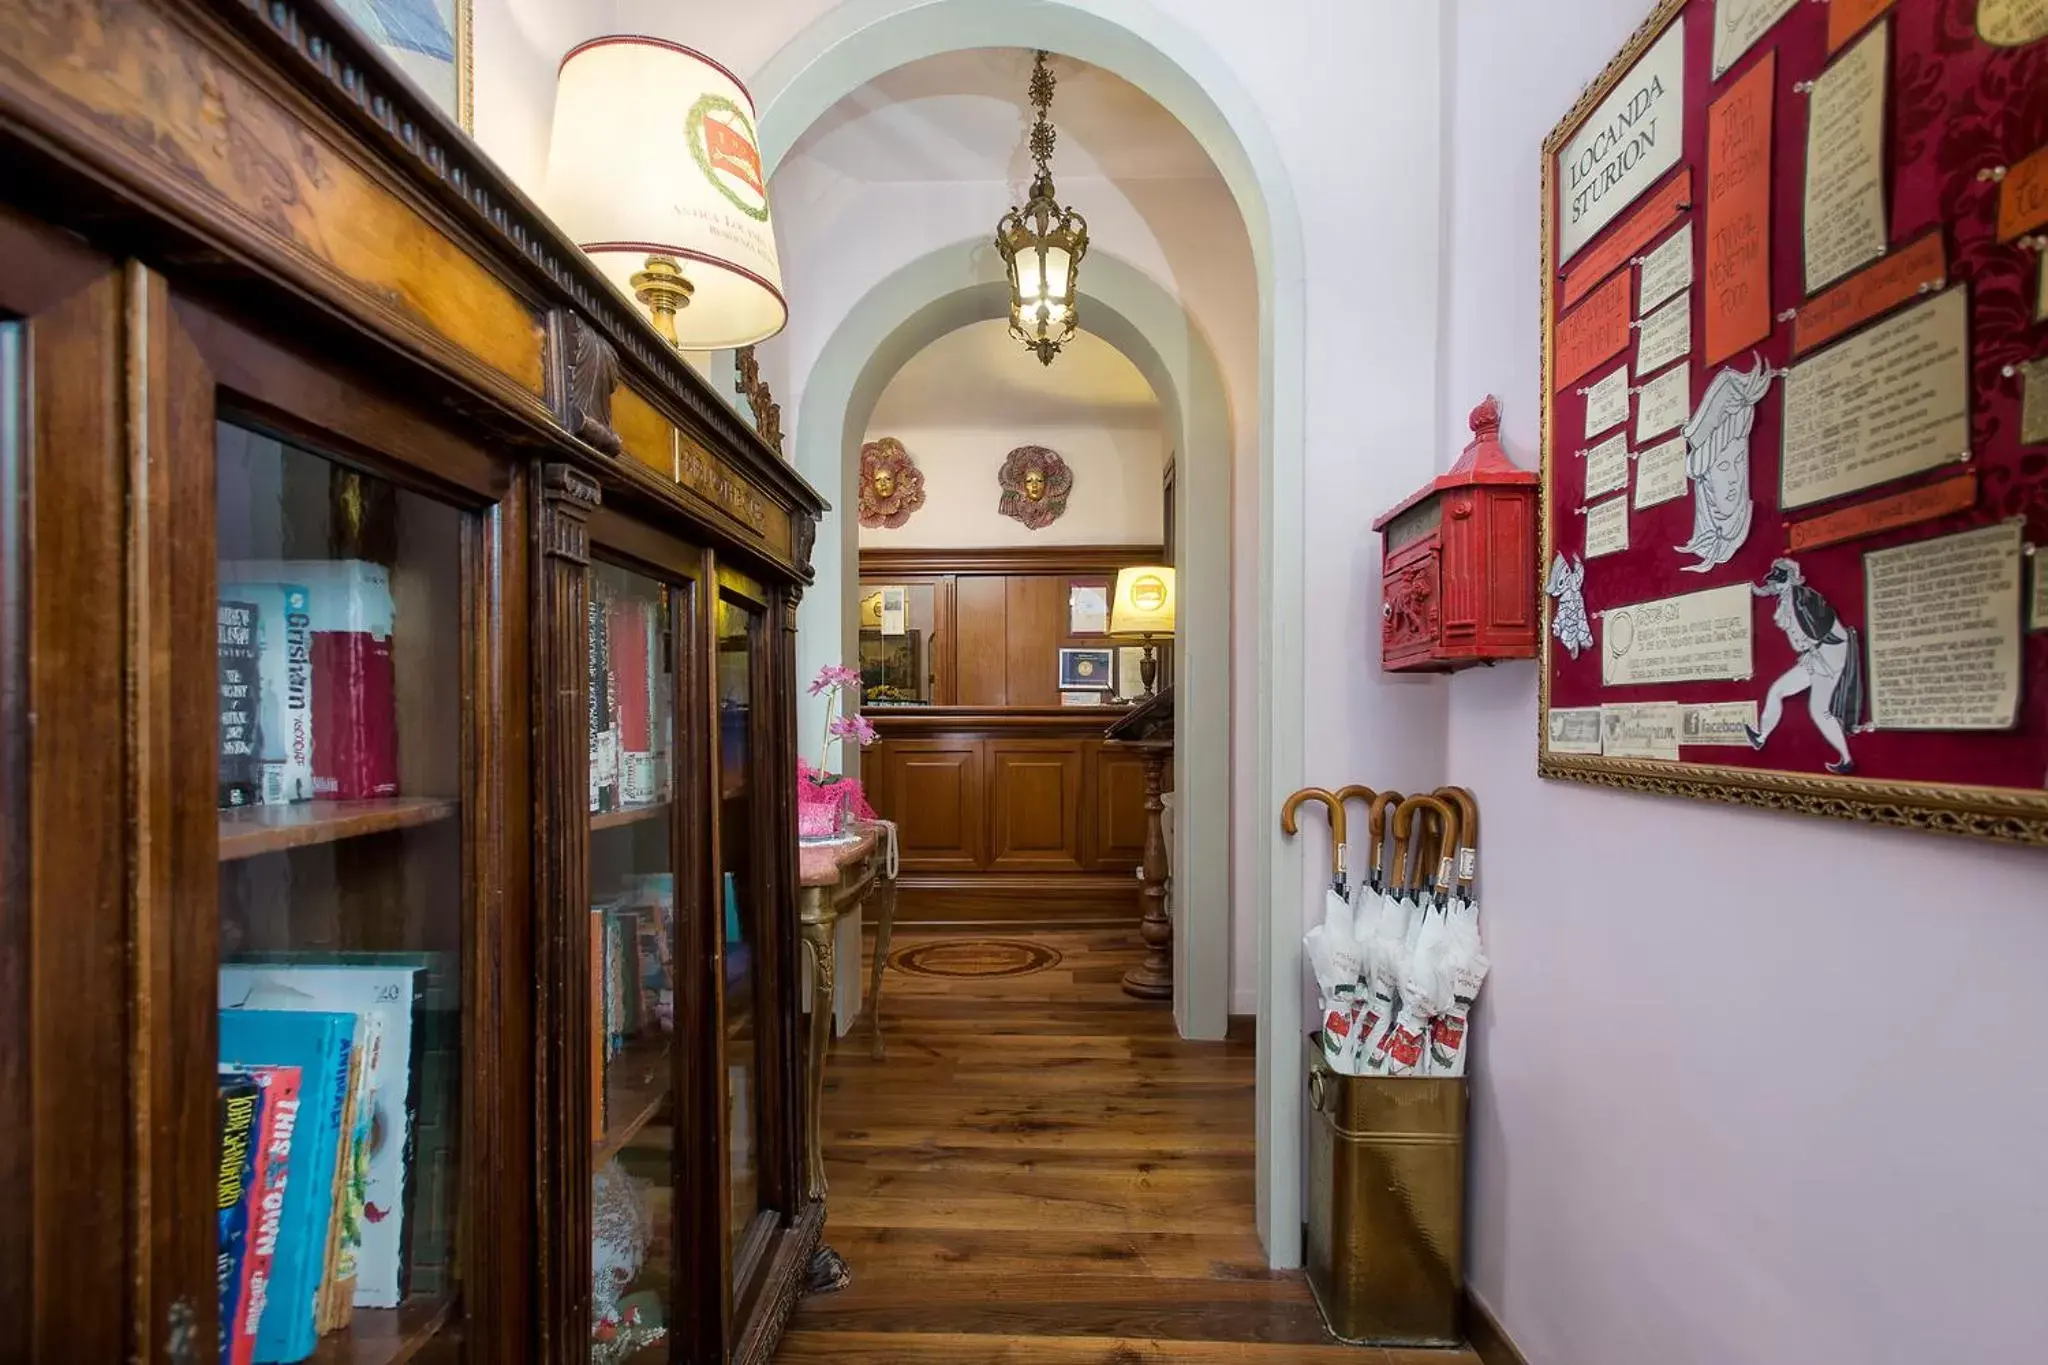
(1955,106)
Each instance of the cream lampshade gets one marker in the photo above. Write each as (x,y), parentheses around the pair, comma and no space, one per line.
(654,170)
(1142,608)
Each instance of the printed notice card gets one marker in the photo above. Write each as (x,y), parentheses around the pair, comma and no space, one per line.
(1890,401)
(1945,631)
(1679,639)
(1845,217)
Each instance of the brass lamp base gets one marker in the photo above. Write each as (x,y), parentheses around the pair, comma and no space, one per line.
(660,285)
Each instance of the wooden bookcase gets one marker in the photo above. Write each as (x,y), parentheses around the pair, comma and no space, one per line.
(269,323)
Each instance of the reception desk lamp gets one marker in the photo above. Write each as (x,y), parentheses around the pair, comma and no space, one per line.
(1142,609)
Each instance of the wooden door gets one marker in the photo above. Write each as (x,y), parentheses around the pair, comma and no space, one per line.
(981,641)
(1114,827)
(935,794)
(1034,805)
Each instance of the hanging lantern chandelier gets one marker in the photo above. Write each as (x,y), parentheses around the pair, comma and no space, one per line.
(1042,243)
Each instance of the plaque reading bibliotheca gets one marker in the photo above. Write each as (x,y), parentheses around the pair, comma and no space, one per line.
(1795,562)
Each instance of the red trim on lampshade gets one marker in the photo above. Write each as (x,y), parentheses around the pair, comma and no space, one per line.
(660,249)
(645,40)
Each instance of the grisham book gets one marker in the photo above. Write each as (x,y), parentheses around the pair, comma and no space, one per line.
(318,1043)
(240,1103)
(284,688)
(350,616)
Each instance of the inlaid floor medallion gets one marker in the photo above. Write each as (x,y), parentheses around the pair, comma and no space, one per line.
(975,957)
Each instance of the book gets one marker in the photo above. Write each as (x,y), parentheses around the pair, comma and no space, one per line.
(240,1101)
(388,993)
(318,1043)
(235,652)
(603,738)
(344,1235)
(284,689)
(278,1121)
(600,1049)
(350,616)
(629,622)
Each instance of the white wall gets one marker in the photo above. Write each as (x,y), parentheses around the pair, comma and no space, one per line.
(964,402)
(1116,498)
(1747,1087)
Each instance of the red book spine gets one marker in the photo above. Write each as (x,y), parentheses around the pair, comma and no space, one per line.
(273,1154)
(629,662)
(355,739)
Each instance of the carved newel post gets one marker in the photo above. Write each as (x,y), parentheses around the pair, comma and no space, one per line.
(1152,979)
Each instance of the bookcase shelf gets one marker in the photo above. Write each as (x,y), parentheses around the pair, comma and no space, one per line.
(631,815)
(635,1087)
(250,830)
(385,1336)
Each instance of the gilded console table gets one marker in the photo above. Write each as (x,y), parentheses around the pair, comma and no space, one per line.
(835,880)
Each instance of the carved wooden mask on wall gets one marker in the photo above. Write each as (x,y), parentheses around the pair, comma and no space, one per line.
(891,485)
(1036,483)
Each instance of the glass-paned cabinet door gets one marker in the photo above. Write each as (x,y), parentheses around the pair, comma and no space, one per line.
(741,867)
(344,909)
(632,644)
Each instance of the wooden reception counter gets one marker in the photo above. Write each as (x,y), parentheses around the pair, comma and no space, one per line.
(1009,815)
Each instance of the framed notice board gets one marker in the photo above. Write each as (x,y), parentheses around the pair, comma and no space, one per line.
(1795,428)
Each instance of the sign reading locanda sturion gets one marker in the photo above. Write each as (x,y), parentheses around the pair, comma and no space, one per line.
(1625,147)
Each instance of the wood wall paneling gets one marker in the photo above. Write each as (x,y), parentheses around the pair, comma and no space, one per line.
(936,793)
(1036,628)
(981,642)
(1115,827)
(1034,802)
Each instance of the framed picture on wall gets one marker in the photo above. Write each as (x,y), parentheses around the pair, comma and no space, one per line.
(430,41)
(1090,669)
(1088,609)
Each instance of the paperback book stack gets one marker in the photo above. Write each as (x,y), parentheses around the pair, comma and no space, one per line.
(318,1111)
(306,687)
(629,718)
(632,976)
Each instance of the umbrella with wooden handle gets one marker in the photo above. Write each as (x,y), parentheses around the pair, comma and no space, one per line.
(1332,946)
(1408,962)
(1464,952)
(1335,809)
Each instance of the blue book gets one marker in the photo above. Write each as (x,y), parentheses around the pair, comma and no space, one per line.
(318,1044)
(241,1119)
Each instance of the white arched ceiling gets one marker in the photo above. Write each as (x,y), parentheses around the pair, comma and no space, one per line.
(956,286)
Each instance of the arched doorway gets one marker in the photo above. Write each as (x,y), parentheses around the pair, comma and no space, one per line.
(856,42)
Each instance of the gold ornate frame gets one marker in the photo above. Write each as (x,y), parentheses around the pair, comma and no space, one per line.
(2009,814)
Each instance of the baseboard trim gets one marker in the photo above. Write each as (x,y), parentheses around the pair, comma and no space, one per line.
(1488,1339)
(1070,901)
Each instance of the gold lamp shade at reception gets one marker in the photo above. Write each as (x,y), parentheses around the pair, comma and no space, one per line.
(1142,608)
(654,169)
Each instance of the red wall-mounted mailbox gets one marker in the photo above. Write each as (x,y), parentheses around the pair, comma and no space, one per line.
(1458,574)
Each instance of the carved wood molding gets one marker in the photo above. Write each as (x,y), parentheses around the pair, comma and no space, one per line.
(568,497)
(1046,559)
(586,371)
(350,77)
(760,399)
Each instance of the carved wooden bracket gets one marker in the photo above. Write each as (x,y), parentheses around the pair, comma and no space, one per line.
(767,412)
(803,539)
(568,496)
(589,371)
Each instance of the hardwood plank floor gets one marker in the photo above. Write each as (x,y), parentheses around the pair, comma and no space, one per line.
(1042,1173)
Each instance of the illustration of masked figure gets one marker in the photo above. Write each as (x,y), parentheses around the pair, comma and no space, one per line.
(1568,619)
(1717,462)
(1829,668)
